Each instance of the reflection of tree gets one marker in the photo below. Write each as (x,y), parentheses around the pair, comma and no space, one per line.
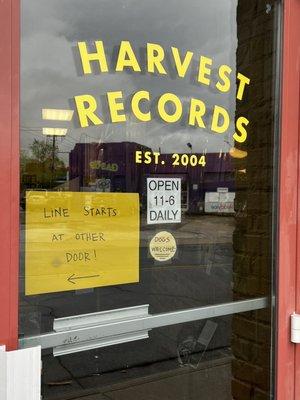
(42,168)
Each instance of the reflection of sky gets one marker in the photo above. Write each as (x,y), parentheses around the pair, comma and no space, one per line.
(50,30)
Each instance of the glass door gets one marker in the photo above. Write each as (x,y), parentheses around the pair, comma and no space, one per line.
(148,196)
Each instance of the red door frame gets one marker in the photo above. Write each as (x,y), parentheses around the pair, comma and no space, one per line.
(9,171)
(287,388)
(288,295)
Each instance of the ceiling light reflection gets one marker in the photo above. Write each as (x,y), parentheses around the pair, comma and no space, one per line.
(54,114)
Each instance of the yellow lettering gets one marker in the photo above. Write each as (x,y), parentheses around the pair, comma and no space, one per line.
(181,66)
(224,72)
(169,97)
(241,87)
(197,111)
(86,57)
(156,157)
(216,126)
(138,157)
(204,70)
(147,156)
(155,55)
(137,97)
(241,121)
(86,106)
(114,107)
(127,58)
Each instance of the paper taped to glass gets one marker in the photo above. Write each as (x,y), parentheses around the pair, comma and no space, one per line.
(80,240)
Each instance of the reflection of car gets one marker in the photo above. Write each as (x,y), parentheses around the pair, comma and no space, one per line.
(34,196)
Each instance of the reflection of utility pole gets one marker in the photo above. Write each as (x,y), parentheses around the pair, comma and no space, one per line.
(53,114)
(53,158)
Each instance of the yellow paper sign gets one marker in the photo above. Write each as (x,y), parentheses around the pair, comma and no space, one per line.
(80,240)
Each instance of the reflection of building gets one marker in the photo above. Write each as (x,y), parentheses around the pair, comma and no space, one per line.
(112,167)
(91,163)
(253,236)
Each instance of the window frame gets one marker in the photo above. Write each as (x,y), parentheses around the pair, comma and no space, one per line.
(288,294)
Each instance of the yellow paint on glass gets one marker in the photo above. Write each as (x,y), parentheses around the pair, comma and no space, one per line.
(220,120)
(87,57)
(155,57)
(175,115)
(127,58)
(116,106)
(80,240)
(86,106)
(181,65)
(135,102)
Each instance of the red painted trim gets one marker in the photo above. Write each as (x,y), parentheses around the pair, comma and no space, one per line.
(289,237)
(289,223)
(9,171)
(296,35)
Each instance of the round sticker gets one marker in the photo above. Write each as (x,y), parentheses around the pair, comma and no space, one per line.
(163,246)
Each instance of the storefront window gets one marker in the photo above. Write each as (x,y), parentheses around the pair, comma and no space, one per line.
(148,177)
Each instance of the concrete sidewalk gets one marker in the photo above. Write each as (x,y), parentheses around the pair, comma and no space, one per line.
(202,229)
(211,380)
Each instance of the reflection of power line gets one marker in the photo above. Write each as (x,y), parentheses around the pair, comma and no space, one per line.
(66,148)
(68,142)
(69,138)
(31,128)
(39,129)
(35,135)
(31,133)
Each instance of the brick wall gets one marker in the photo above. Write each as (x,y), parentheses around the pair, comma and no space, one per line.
(252,239)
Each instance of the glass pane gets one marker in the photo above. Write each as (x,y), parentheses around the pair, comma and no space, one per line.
(222,358)
(148,157)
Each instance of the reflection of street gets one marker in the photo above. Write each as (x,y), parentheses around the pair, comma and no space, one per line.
(209,236)
(204,229)
(159,379)
(199,274)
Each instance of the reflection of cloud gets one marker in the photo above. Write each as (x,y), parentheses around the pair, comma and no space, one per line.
(49,78)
